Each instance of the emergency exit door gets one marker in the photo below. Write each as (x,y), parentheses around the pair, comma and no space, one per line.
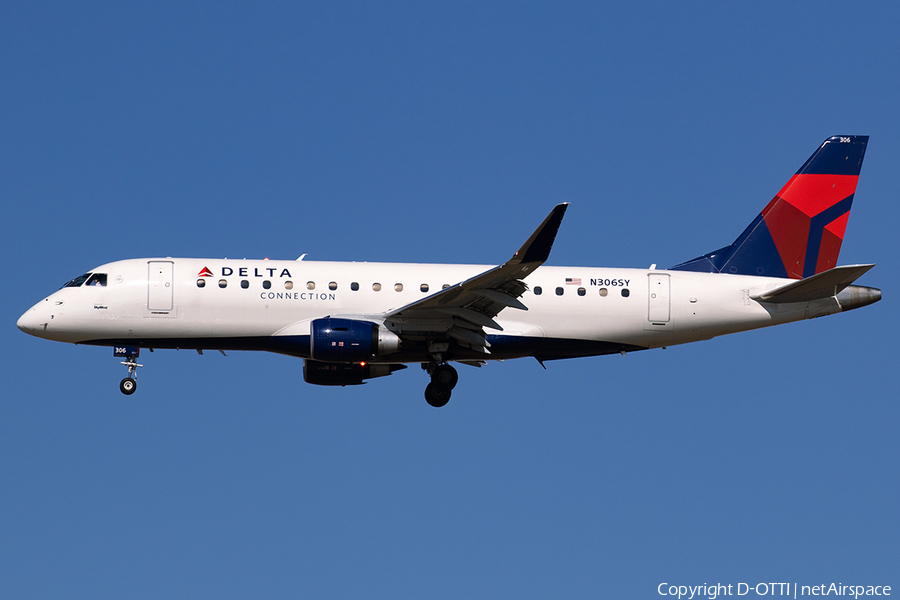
(159,282)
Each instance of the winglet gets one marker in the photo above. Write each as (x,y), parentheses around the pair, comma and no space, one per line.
(537,248)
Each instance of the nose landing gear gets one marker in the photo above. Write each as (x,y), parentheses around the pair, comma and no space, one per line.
(129,385)
(443,380)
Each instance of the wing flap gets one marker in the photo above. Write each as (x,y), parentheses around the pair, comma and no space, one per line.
(501,298)
(472,316)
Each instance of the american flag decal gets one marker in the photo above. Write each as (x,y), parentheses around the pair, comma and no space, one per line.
(573,280)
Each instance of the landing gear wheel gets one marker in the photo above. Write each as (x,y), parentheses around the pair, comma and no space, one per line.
(445,376)
(128,386)
(437,396)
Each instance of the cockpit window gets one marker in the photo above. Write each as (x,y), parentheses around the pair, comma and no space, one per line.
(98,279)
(77,281)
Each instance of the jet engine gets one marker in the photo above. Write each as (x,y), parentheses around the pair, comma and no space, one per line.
(349,340)
(327,373)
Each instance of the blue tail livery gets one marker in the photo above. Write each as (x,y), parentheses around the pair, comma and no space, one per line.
(799,233)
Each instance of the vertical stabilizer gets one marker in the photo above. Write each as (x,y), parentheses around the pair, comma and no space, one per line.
(799,233)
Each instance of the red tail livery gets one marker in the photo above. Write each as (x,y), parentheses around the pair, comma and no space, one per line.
(800,232)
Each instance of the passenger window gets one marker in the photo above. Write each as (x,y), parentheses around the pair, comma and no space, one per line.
(423,287)
(288,285)
(582,291)
(201,283)
(376,287)
(398,287)
(603,292)
(310,285)
(354,286)
(538,290)
(625,292)
(223,283)
(97,279)
(445,286)
(560,291)
(267,284)
(245,284)
(332,286)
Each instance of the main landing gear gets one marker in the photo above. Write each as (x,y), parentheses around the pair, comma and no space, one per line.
(443,380)
(128,386)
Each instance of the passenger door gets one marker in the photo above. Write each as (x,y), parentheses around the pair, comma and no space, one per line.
(160,285)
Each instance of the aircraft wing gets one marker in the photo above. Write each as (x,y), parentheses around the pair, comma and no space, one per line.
(824,285)
(462,311)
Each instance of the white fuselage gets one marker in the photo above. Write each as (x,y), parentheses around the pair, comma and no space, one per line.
(256,304)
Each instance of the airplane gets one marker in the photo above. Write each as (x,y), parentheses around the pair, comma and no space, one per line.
(351,322)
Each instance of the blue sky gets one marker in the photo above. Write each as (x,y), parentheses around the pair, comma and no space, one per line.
(441,133)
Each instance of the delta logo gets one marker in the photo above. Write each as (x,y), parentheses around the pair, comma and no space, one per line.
(245,272)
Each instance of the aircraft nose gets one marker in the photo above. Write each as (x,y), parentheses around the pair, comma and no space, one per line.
(26,321)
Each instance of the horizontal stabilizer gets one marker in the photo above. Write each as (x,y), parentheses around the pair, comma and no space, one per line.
(824,285)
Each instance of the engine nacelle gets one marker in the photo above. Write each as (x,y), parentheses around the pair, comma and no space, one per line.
(349,340)
(326,373)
